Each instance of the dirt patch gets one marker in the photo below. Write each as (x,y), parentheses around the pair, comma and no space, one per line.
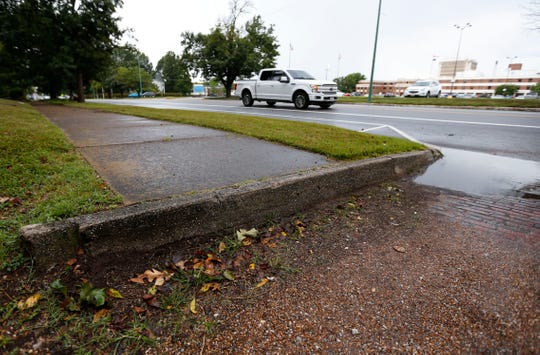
(379,271)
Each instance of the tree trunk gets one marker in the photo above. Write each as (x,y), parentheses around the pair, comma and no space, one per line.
(80,88)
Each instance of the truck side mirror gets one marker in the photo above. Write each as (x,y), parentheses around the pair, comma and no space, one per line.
(284,79)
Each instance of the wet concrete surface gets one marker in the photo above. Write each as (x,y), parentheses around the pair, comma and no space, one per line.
(483,174)
(148,159)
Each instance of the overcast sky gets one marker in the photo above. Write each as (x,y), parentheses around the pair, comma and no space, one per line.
(411,33)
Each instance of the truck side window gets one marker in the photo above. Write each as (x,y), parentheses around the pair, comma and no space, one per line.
(277,75)
(266,75)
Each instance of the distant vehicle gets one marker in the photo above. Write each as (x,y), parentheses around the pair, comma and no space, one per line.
(356,93)
(498,97)
(424,88)
(134,94)
(530,95)
(287,85)
(465,96)
(148,94)
(389,94)
(340,93)
(346,94)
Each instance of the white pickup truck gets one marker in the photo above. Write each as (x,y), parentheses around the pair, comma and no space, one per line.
(287,85)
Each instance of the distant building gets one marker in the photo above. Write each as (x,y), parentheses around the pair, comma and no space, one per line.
(447,67)
(462,85)
(466,80)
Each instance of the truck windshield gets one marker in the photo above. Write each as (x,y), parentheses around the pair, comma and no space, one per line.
(300,74)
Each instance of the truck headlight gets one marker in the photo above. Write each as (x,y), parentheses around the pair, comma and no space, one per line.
(314,88)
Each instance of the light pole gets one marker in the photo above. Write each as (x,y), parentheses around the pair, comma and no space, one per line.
(140,79)
(374,53)
(460,28)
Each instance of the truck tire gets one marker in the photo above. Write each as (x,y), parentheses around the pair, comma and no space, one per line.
(247,100)
(301,100)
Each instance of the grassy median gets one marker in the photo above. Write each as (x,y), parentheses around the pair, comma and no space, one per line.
(333,142)
(42,177)
(462,103)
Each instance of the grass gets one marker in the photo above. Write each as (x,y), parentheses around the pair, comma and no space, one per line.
(333,142)
(444,102)
(42,177)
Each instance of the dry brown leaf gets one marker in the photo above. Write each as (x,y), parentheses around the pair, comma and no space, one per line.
(102,313)
(221,247)
(399,248)
(213,286)
(30,302)
(71,262)
(262,282)
(193,306)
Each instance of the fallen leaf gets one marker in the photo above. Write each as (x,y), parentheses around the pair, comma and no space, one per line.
(71,262)
(214,286)
(246,242)
(138,309)
(399,248)
(114,293)
(152,290)
(221,247)
(228,275)
(193,307)
(30,302)
(4,199)
(262,282)
(252,266)
(101,314)
(243,234)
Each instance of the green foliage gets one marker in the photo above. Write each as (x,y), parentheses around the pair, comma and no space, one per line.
(228,52)
(92,295)
(55,44)
(175,74)
(348,83)
(506,90)
(536,88)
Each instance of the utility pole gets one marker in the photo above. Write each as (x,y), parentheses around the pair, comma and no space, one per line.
(374,53)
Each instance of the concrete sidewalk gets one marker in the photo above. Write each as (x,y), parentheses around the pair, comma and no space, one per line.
(145,159)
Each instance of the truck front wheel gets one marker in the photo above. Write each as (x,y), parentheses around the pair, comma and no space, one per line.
(301,100)
(247,100)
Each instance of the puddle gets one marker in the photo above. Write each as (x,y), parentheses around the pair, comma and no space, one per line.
(482,174)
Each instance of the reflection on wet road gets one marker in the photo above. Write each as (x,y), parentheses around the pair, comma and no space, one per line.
(481,174)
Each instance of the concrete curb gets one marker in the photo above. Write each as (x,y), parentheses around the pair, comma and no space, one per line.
(148,225)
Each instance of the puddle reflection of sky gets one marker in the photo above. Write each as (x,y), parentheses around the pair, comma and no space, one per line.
(480,173)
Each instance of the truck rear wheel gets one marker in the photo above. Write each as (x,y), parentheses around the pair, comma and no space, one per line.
(247,100)
(301,100)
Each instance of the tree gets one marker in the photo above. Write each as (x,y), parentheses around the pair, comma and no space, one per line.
(228,52)
(536,88)
(56,44)
(506,90)
(348,83)
(175,74)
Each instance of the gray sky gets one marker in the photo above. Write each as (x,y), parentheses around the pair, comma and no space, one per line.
(411,33)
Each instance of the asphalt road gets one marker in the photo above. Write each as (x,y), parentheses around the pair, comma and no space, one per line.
(513,134)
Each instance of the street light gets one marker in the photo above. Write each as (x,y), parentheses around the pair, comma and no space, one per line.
(374,53)
(460,28)
(140,79)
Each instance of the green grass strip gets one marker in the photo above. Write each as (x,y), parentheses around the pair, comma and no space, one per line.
(42,177)
(333,142)
(463,103)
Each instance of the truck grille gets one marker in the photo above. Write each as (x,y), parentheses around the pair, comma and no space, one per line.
(328,89)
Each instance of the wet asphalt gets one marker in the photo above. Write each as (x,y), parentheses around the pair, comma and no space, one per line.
(146,159)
